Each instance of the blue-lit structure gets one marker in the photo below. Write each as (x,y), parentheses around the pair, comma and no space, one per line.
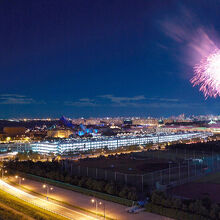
(82,128)
(66,122)
(81,133)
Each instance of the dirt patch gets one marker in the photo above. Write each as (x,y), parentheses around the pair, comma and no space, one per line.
(125,164)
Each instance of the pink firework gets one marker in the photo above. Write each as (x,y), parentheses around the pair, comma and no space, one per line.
(207,75)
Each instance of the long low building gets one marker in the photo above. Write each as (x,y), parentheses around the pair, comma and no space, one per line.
(82,145)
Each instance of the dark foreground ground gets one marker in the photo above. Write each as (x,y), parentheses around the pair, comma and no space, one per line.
(198,191)
(206,186)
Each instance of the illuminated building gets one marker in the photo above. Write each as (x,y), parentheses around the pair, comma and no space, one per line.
(142,121)
(92,121)
(59,133)
(80,145)
(14,131)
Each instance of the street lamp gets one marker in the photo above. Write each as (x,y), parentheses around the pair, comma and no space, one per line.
(96,205)
(19,179)
(100,203)
(48,189)
(3,171)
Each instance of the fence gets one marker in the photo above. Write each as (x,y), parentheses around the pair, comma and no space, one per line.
(193,166)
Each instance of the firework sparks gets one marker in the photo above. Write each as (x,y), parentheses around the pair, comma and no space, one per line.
(207,75)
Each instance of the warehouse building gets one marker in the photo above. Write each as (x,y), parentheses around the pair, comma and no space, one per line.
(82,145)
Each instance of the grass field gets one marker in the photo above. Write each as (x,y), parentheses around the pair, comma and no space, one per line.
(135,163)
(127,165)
(139,162)
(26,208)
(211,178)
(205,186)
(7,213)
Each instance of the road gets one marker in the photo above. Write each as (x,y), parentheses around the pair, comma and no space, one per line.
(8,155)
(43,203)
(112,210)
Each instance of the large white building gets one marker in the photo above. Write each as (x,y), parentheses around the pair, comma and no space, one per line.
(80,145)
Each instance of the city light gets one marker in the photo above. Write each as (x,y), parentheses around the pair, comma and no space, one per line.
(72,145)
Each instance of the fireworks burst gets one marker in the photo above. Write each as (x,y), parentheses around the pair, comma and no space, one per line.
(207,75)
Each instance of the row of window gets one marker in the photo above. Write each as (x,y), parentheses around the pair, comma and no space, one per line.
(111,143)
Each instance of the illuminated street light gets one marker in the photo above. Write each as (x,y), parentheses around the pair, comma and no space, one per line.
(96,205)
(100,203)
(48,189)
(19,179)
(3,171)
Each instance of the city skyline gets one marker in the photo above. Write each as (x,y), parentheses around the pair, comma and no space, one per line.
(110,109)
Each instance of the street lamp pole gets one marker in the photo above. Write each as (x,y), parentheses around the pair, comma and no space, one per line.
(47,189)
(96,206)
(47,192)
(19,179)
(100,203)
(3,172)
(104,209)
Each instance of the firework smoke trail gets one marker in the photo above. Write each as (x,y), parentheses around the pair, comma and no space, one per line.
(207,75)
(199,44)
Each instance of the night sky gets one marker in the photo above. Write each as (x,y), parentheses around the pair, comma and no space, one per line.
(104,58)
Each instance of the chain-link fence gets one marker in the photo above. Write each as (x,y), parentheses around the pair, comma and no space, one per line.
(192,166)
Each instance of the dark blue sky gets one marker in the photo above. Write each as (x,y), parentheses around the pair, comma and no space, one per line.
(102,58)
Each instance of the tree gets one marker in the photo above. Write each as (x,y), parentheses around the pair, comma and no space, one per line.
(67,178)
(124,192)
(89,183)
(110,188)
(215,209)
(75,180)
(157,197)
(132,195)
(99,186)
(82,182)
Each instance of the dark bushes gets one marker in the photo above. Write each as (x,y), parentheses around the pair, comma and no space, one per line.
(183,209)
(53,170)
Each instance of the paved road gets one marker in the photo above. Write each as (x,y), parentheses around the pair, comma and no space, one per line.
(113,210)
(48,205)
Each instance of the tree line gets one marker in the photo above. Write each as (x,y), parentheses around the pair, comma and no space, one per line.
(177,208)
(53,170)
